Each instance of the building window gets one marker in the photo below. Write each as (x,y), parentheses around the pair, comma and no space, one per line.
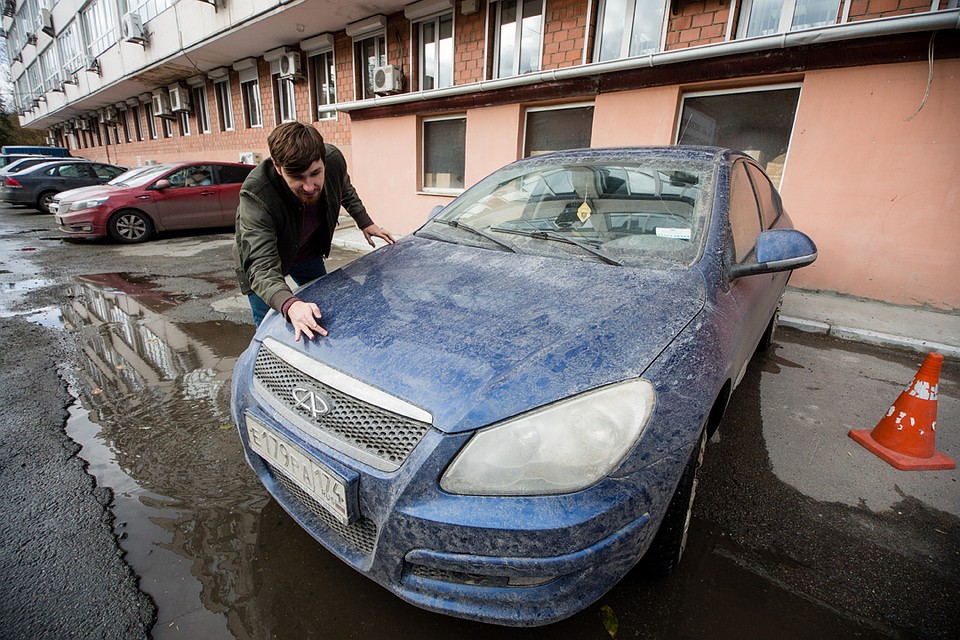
(628,28)
(137,128)
(285,107)
(166,127)
(200,108)
(436,52)
(50,68)
(323,78)
(221,90)
(149,9)
(519,33)
(250,94)
(764,17)
(444,154)
(99,26)
(184,118)
(557,128)
(370,54)
(756,121)
(151,122)
(126,125)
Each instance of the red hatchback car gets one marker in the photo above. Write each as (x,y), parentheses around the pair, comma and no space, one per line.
(142,201)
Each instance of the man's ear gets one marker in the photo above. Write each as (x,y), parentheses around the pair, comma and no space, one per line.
(274,163)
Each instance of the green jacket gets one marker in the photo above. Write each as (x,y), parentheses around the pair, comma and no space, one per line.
(270,219)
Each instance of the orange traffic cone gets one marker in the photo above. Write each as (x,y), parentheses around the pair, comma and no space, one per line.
(905,436)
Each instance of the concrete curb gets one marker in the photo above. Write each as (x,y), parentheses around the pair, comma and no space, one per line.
(870,337)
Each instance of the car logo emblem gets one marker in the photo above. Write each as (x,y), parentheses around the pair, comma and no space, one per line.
(310,401)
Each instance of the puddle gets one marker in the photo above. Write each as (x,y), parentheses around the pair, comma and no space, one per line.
(152,418)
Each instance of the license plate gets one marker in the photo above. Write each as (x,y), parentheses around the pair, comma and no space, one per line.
(317,481)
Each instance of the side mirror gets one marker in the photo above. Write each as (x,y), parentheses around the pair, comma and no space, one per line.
(162,184)
(433,212)
(778,250)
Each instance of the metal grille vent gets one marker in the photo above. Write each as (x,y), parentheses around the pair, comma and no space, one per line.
(361,535)
(358,424)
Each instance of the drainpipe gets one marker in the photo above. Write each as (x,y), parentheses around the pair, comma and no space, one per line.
(934,21)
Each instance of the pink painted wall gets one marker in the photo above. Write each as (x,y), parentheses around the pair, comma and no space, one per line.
(880,194)
(632,118)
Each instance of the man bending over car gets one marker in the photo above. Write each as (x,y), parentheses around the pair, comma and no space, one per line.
(289,206)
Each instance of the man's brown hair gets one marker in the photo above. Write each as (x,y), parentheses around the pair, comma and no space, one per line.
(295,146)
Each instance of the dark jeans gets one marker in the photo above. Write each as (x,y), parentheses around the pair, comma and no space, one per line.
(302,273)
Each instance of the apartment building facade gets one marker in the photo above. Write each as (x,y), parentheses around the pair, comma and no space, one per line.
(851,105)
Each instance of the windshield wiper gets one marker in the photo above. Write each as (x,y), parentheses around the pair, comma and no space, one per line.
(550,235)
(480,232)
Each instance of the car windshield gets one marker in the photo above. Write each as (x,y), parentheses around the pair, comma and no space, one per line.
(650,212)
(139,176)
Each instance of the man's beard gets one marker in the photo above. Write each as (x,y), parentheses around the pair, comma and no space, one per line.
(308,198)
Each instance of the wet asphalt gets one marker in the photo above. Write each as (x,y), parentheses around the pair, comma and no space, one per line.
(130,511)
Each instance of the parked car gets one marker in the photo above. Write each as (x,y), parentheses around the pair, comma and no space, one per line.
(512,404)
(7,158)
(37,185)
(143,201)
(26,162)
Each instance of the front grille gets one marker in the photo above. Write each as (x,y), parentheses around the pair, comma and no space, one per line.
(361,535)
(359,425)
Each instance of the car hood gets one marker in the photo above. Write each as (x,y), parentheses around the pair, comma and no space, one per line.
(474,336)
(80,193)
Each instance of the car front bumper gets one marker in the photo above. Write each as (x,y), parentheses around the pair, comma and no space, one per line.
(518,561)
(87,223)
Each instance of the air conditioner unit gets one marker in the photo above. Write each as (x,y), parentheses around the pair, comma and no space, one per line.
(161,105)
(290,65)
(83,124)
(93,65)
(46,22)
(387,79)
(102,117)
(110,114)
(179,99)
(251,157)
(131,28)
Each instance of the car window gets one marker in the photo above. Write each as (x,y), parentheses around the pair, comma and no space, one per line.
(192,176)
(621,209)
(770,204)
(744,213)
(231,174)
(106,171)
(73,170)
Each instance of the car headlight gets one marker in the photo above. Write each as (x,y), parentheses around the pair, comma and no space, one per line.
(561,448)
(86,204)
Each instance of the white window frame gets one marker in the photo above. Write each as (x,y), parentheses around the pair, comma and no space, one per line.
(151,122)
(442,79)
(184,118)
(366,71)
(423,146)
(319,97)
(556,107)
(250,98)
(70,46)
(99,26)
(285,109)
(149,9)
(788,9)
(224,102)
(517,40)
(626,31)
(200,108)
(50,67)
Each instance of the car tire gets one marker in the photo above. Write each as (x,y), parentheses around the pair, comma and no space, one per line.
(130,226)
(766,340)
(44,200)
(670,541)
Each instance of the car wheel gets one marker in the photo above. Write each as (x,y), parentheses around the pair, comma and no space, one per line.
(44,200)
(668,545)
(130,226)
(766,340)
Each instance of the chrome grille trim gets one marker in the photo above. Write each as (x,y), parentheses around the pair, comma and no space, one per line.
(361,535)
(354,426)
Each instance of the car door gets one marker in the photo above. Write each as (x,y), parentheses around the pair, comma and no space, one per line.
(230,178)
(73,175)
(187,203)
(756,297)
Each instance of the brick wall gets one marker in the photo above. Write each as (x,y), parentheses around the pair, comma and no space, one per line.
(565,25)
(697,23)
(868,9)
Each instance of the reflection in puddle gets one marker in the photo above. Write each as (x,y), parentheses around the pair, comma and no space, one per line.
(155,428)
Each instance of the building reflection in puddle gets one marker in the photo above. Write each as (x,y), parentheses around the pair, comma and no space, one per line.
(155,428)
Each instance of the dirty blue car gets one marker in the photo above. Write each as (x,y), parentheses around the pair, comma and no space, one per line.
(512,404)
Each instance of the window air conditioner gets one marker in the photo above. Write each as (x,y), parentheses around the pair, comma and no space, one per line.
(251,157)
(83,124)
(161,105)
(179,99)
(290,65)
(131,28)
(387,79)
(110,114)
(102,117)
(46,22)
